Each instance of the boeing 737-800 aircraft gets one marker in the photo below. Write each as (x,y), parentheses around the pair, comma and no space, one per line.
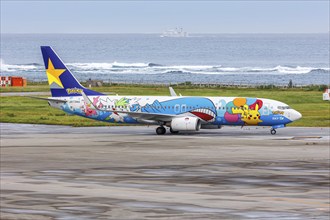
(179,113)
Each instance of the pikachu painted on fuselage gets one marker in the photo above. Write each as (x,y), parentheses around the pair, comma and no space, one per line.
(249,116)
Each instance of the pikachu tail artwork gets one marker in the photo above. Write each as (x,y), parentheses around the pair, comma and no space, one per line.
(178,113)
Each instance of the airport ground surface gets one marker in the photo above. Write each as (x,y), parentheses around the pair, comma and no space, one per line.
(59,172)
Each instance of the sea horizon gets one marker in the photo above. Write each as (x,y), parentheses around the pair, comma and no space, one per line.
(249,58)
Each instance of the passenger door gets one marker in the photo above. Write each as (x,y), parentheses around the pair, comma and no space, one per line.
(266,109)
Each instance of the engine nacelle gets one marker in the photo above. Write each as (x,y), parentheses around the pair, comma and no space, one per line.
(186,124)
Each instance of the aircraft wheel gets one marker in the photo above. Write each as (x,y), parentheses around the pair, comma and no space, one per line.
(173,132)
(272,131)
(160,130)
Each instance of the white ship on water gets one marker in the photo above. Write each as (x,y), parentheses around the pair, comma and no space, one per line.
(177,32)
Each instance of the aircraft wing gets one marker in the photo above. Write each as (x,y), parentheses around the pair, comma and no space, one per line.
(140,115)
(147,115)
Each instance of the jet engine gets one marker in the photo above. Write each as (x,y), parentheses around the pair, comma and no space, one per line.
(186,124)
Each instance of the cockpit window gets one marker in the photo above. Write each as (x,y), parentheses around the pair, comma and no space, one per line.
(283,107)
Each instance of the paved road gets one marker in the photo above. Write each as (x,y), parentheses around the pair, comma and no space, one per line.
(60,172)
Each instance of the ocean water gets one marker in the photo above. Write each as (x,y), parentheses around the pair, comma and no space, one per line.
(148,58)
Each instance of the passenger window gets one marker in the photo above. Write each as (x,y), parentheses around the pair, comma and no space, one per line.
(177,108)
(183,108)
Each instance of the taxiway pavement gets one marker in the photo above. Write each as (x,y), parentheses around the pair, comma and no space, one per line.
(61,172)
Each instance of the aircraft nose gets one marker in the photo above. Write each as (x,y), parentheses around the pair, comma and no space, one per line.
(295,115)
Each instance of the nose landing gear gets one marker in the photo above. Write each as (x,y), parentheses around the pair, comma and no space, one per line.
(272,131)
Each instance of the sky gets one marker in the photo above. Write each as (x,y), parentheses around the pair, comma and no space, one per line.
(157,16)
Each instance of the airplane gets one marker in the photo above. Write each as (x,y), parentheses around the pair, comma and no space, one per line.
(178,113)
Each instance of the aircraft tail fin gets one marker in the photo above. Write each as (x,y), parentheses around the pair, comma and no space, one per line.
(61,81)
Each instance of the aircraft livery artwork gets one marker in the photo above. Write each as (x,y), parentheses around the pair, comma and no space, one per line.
(179,113)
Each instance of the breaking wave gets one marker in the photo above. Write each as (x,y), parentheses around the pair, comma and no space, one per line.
(153,68)
(14,68)
(109,66)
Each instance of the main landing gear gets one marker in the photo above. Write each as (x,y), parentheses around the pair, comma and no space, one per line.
(173,132)
(272,131)
(160,130)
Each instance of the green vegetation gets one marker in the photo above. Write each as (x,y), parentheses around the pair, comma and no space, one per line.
(33,111)
(36,87)
(307,100)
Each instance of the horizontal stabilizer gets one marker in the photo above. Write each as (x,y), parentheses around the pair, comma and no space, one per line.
(48,99)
